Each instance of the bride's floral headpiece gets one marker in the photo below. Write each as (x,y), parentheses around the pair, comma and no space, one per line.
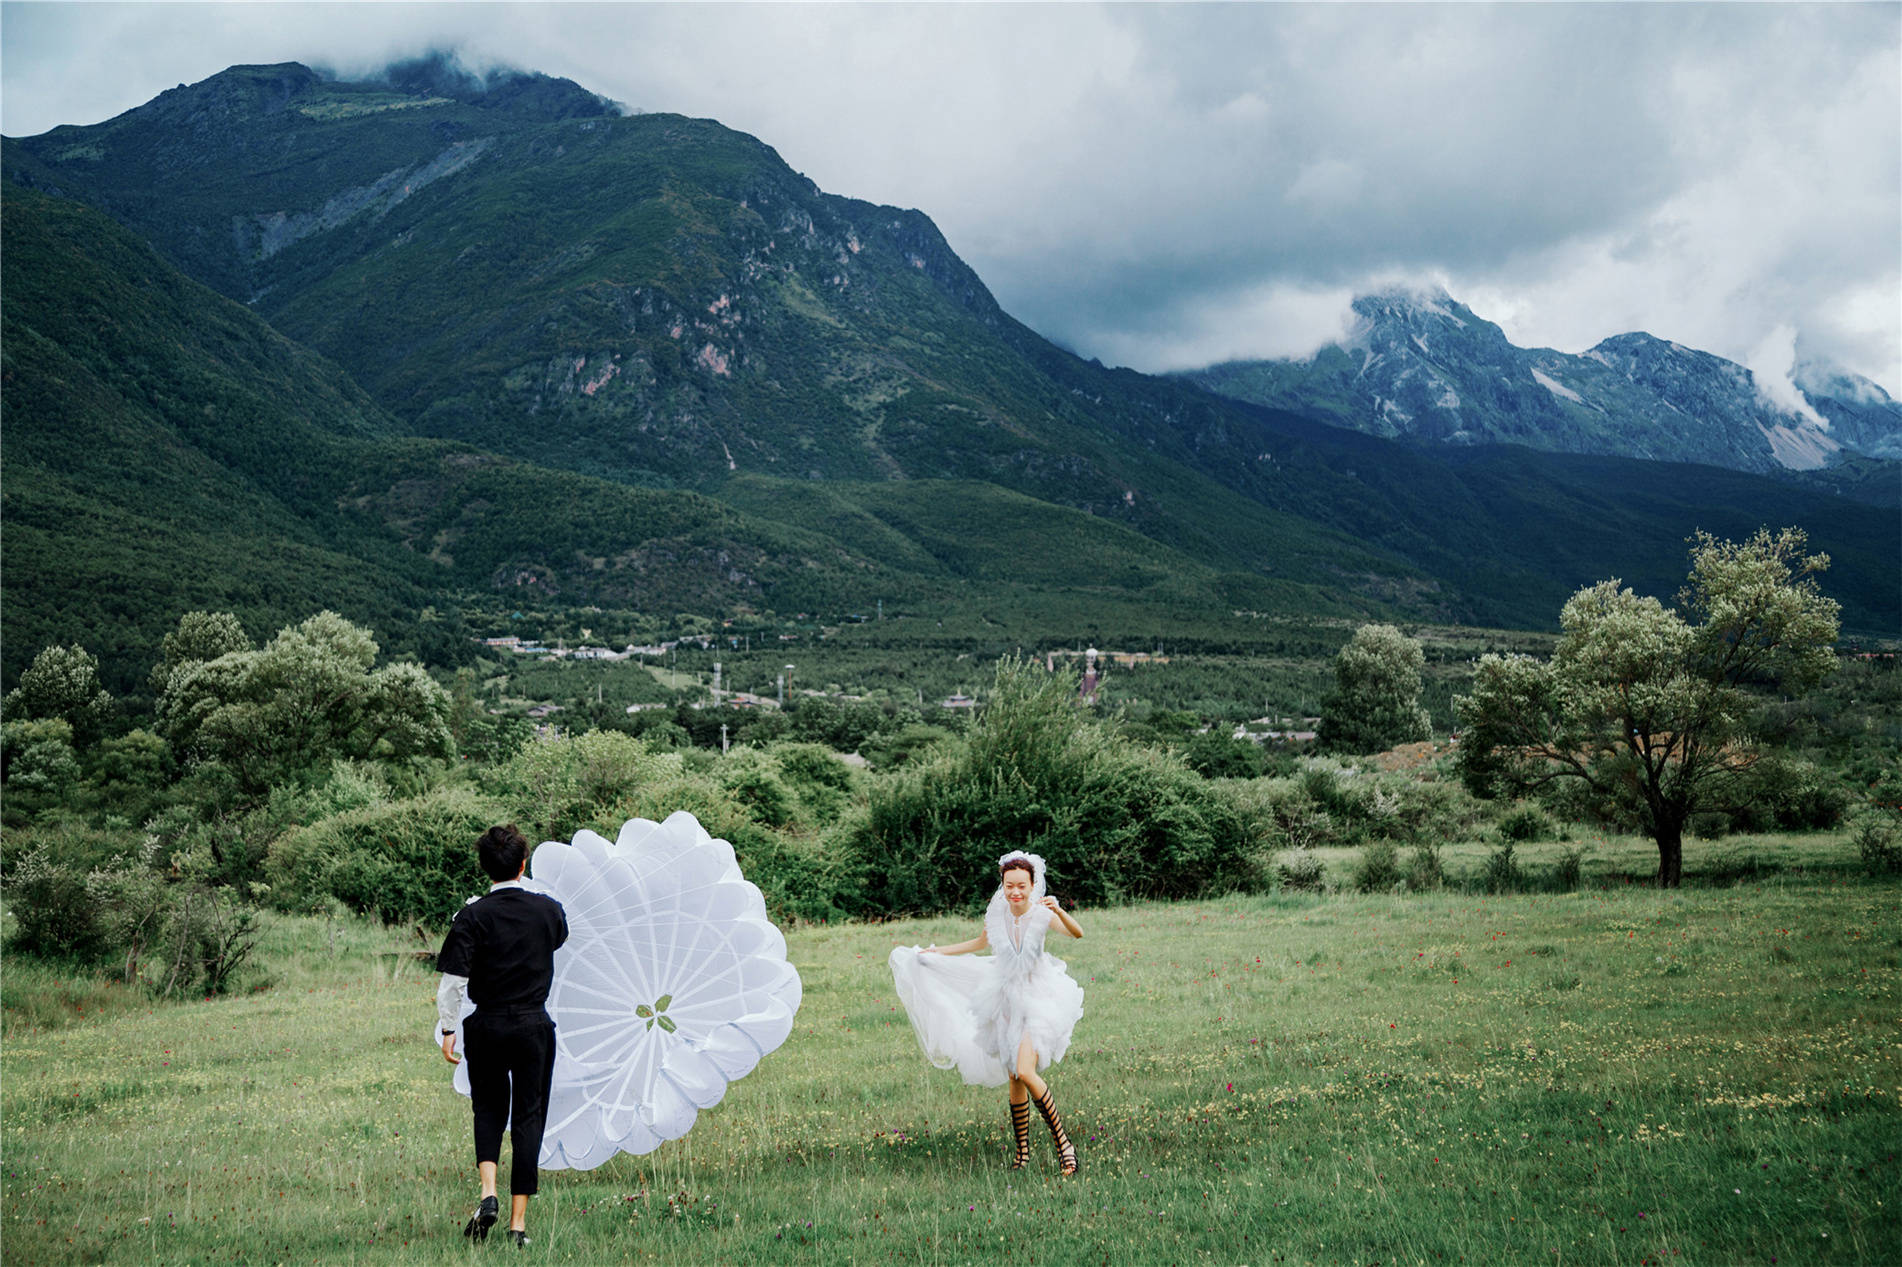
(1036,871)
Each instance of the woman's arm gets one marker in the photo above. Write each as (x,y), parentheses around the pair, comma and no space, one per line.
(1070,925)
(980,942)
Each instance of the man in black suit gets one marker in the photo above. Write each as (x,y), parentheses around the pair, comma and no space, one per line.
(501,951)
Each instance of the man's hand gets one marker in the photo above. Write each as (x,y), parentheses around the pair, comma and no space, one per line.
(449,1049)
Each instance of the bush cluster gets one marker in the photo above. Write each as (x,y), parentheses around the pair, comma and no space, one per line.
(1379,868)
(1879,843)
(1115,821)
(1331,805)
(411,859)
(177,935)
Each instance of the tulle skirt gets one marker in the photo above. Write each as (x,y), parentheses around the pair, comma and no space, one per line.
(968,1017)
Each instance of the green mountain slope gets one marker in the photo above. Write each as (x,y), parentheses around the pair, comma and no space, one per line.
(167,450)
(653,299)
(660,301)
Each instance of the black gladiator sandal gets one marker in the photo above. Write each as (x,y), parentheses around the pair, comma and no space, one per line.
(477,1228)
(1066,1151)
(1020,1127)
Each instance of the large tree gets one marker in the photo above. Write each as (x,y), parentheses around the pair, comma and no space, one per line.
(309,696)
(62,684)
(200,636)
(1376,699)
(1650,707)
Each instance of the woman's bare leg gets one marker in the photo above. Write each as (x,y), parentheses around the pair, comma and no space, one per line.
(1026,1079)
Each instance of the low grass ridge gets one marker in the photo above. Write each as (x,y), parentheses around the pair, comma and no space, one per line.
(1706,1076)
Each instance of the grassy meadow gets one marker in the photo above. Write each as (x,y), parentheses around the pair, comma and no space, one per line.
(1615,1075)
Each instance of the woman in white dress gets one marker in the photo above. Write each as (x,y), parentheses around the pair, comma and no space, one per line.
(1002,1018)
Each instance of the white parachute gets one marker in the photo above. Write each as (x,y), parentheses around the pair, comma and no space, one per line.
(672,984)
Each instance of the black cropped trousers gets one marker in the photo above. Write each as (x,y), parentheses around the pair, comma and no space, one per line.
(511,1058)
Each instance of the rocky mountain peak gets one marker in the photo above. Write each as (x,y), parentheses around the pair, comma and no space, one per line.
(1422,366)
(1639,347)
(1399,316)
(237,95)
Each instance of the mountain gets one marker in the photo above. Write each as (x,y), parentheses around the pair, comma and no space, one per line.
(167,450)
(1423,367)
(1862,417)
(640,360)
(654,300)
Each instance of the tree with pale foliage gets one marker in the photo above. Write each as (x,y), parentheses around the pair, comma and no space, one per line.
(1650,707)
(200,636)
(308,697)
(1376,699)
(62,684)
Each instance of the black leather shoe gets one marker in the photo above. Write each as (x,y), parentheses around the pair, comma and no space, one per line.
(520,1237)
(477,1228)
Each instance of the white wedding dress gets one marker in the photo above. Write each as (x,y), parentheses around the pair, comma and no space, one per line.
(971,1012)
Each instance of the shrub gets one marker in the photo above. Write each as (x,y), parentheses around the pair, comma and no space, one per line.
(1115,821)
(1525,824)
(225,844)
(556,786)
(822,782)
(1289,815)
(891,749)
(181,936)
(1218,755)
(1731,867)
(53,914)
(1379,868)
(1879,844)
(1304,871)
(38,765)
(753,780)
(206,935)
(1566,871)
(409,860)
(1789,794)
(1709,826)
(801,879)
(1424,870)
(130,907)
(1434,811)
(1502,874)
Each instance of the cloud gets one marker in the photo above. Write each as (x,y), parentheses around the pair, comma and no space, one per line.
(1771,364)
(1273,320)
(1159,185)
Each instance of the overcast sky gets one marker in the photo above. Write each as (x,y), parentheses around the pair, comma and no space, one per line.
(1166,186)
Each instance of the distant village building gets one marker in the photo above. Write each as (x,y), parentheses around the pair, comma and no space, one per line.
(600,653)
(1277,730)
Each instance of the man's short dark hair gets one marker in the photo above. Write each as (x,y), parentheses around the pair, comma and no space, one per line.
(503,851)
